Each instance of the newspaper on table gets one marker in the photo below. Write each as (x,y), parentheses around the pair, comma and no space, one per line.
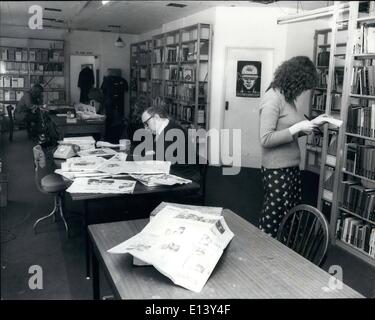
(87,112)
(71,175)
(183,244)
(152,180)
(97,152)
(88,164)
(98,185)
(135,167)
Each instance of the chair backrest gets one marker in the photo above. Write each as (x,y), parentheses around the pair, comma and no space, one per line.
(42,164)
(304,229)
(11,122)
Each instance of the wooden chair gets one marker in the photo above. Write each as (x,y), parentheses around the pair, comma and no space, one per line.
(304,229)
(11,122)
(49,183)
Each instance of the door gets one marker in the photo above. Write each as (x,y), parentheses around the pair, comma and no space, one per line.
(77,63)
(248,73)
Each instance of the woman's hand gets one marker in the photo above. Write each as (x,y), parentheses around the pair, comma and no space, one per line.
(304,126)
(320,120)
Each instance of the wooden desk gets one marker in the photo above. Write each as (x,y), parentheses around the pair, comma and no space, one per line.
(81,127)
(253,266)
(89,198)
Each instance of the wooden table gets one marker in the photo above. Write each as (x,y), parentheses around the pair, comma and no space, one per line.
(140,189)
(253,266)
(81,127)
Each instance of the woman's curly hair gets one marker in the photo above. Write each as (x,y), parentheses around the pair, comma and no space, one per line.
(294,76)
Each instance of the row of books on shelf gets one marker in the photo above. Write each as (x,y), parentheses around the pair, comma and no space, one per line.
(53,97)
(360,160)
(359,199)
(319,101)
(315,140)
(186,35)
(185,113)
(10,95)
(322,78)
(357,233)
(13,82)
(363,80)
(365,39)
(329,178)
(188,52)
(332,143)
(187,74)
(142,58)
(46,55)
(50,68)
(16,67)
(361,118)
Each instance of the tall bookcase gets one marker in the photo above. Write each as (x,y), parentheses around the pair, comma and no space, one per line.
(140,80)
(21,67)
(353,202)
(179,74)
(321,148)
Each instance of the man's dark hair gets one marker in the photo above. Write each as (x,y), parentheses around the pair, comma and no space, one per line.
(294,76)
(157,110)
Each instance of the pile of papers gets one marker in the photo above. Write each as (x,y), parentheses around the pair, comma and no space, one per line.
(152,180)
(87,112)
(183,244)
(135,167)
(84,143)
(101,152)
(97,185)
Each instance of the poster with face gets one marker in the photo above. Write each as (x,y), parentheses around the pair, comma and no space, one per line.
(248,79)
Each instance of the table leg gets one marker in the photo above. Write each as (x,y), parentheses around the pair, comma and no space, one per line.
(87,240)
(95,277)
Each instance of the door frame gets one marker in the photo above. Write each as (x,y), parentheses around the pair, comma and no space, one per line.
(97,57)
(223,95)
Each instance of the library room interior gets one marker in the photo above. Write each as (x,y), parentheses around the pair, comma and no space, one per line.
(187,150)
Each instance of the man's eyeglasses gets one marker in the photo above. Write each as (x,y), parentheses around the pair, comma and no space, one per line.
(145,123)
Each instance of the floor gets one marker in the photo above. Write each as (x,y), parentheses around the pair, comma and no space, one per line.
(62,260)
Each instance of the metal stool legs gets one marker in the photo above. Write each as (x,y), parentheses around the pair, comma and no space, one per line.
(57,207)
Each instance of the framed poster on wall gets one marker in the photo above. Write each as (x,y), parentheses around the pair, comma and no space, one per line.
(248,79)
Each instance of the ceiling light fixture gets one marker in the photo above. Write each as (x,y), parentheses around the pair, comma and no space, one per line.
(119,43)
(105,2)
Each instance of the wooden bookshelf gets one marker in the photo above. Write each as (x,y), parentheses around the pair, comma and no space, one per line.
(44,64)
(355,55)
(180,74)
(140,81)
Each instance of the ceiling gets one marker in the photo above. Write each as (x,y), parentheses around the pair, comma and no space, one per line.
(133,17)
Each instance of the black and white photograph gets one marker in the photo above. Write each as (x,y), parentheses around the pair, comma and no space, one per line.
(236,136)
(248,78)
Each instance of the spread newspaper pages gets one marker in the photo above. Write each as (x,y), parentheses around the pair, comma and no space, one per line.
(183,244)
(97,185)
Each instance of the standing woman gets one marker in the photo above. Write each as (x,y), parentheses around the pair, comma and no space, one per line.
(280,126)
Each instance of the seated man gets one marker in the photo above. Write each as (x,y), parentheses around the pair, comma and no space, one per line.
(25,108)
(171,143)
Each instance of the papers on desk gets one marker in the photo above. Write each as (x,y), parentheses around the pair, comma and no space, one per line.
(98,185)
(88,112)
(183,244)
(87,164)
(97,152)
(152,180)
(135,167)
(84,143)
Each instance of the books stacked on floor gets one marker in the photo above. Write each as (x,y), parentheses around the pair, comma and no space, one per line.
(359,199)
(363,78)
(357,233)
(361,118)
(361,160)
